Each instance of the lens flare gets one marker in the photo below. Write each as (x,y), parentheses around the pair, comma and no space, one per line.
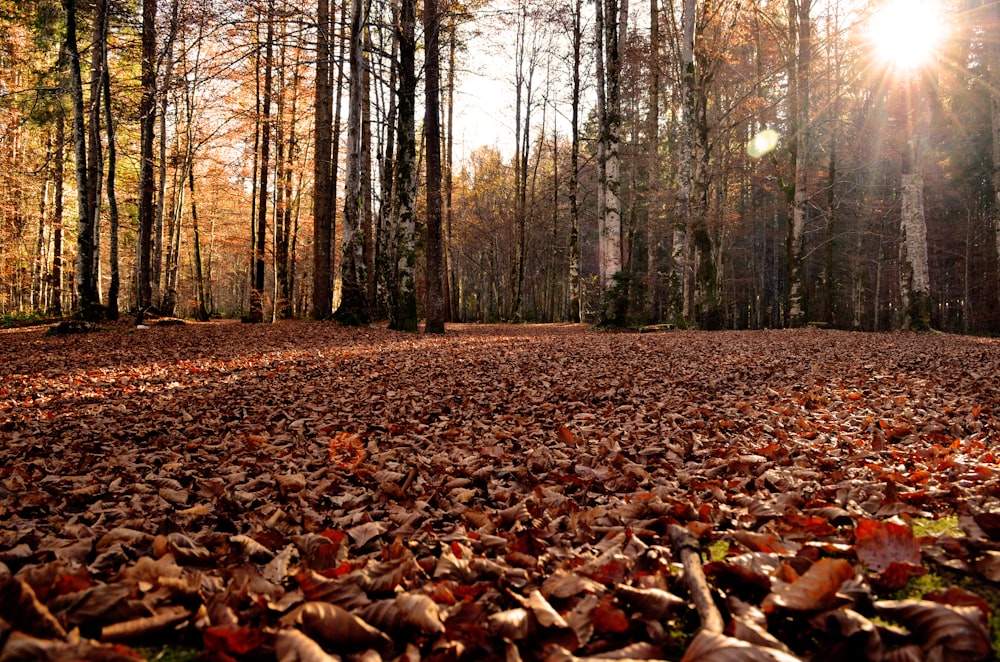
(763,143)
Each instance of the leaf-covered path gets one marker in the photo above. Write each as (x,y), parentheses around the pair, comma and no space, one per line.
(298,491)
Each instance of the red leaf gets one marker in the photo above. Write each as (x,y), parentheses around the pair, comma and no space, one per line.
(608,619)
(232,640)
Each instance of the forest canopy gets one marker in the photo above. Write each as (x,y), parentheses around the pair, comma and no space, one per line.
(733,164)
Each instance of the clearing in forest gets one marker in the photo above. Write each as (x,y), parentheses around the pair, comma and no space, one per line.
(303,491)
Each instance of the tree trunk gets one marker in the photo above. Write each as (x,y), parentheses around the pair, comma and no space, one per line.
(201,313)
(156,267)
(58,176)
(257,289)
(522,140)
(171,260)
(914,274)
(95,147)
(800,37)
(680,285)
(993,54)
(147,124)
(436,304)
(574,175)
(113,216)
(610,239)
(403,309)
(602,145)
(353,307)
(86,282)
(286,260)
(652,184)
(323,173)
(368,246)
(450,283)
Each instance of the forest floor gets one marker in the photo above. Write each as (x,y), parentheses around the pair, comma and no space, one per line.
(497,493)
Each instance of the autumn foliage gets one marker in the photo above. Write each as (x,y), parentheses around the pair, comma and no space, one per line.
(302,491)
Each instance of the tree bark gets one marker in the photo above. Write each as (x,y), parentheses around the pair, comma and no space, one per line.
(59,176)
(86,283)
(403,311)
(680,280)
(611,234)
(800,34)
(353,307)
(323,169)
(147,124)
(652,184)
(436,304)
(113,216)
(95,147)
(163,92)
(257,288)
(914,273)
(575,312)
(993,55)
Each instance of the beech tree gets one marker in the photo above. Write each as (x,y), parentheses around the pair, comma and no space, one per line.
(353,307)
(147,190)
(323,167)
(86,261)
(800,42)
(402,253)
(437,303)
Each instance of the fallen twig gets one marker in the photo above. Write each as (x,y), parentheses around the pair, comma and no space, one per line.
(687,548)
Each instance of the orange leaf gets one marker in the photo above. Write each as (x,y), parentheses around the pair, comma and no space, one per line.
(565,436)
(880,544)
(609,619)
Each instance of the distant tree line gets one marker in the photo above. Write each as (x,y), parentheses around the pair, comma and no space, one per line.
(726,164)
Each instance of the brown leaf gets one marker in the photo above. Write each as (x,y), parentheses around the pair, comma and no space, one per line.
(514,624)
(712,647)
(25,613)
(419,610)
(336,626)
(654,603)
(816,590)
(293,646)
(952,633)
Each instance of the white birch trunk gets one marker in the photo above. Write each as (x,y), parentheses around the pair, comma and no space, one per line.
(680,277)
(914,273)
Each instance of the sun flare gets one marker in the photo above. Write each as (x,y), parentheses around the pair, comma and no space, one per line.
(906,34)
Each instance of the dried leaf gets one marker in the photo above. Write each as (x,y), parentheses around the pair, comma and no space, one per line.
(334,625)
(514,624)
(293,646)
(953,633)
(816,590)
(419,610)
(654,603)
(25,613)
(880,544)
(712,647)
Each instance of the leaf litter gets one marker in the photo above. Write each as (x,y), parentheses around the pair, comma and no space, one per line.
(307,492)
